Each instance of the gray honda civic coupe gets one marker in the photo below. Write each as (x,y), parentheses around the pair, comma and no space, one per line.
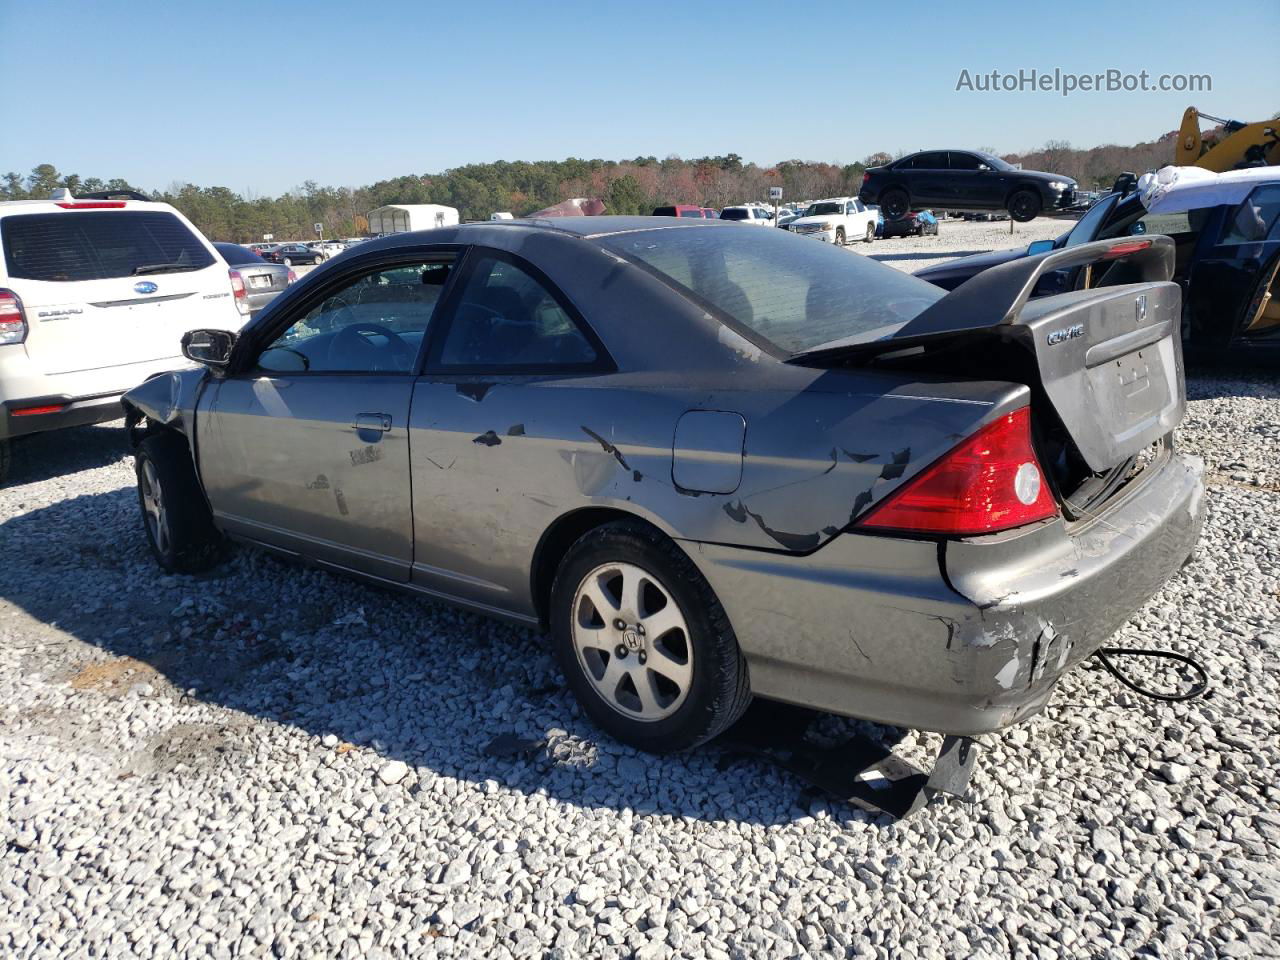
(713,463)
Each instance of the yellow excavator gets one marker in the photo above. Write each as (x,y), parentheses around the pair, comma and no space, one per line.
(1229,146)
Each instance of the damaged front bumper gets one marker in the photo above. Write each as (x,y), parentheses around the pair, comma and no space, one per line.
(962,636)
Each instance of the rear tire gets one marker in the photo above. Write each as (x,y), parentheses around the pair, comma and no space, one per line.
(676,686)
(871,233)
(839,236)
(287,262)
(6,459)
(1024,205)
(895,204)
(175,514)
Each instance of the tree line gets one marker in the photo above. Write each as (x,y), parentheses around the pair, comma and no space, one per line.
(626,186)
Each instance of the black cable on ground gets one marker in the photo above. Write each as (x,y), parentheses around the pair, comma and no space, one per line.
(1104,655)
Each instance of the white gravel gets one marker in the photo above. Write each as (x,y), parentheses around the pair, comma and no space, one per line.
(276,761)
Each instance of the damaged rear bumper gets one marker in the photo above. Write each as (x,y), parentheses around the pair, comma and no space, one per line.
(964,636)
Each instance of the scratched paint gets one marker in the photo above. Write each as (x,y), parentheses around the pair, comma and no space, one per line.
(365,455)
(1007,673)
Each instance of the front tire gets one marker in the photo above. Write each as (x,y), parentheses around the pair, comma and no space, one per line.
(175,514)
(1024,205)
(645,645)
(839,236)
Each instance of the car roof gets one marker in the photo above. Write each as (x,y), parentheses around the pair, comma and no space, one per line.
(82,205)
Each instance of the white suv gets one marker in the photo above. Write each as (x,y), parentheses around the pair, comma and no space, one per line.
(95,295)
(751,213)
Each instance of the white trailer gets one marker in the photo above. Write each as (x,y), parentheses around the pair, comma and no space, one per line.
(406,217)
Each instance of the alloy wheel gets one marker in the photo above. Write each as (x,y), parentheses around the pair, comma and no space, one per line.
(632,641)
(153,508)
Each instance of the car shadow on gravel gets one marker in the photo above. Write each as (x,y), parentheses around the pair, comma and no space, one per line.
(366,675)
(42,456)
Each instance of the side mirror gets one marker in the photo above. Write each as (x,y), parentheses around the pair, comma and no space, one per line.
(1036,247)
(210,348)
(1137,228)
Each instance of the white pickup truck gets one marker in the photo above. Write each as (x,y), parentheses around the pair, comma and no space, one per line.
(838,220)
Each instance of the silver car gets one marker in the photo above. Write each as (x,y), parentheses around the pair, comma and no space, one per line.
(715,463)
(259,282)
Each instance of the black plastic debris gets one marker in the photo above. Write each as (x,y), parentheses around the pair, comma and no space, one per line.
(507,746)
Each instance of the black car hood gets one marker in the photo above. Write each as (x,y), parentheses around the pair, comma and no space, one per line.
(1041,175)
(966,267)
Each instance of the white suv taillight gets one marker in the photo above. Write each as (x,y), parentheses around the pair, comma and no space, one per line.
(239,293)
(13,321)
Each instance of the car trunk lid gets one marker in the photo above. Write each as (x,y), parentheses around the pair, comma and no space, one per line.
(1105,365)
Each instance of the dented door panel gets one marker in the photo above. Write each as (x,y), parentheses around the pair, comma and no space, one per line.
(284,461)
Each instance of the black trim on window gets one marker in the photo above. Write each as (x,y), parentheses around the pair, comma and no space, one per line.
(449,302)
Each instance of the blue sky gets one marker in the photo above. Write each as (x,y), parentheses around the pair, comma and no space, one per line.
(262,96)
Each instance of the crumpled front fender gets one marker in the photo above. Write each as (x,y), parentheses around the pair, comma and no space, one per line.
(166,399)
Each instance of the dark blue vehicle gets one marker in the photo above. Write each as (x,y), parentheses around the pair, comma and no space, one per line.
(1226,261)
(917,223)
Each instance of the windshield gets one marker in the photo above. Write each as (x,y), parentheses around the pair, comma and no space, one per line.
(824,209)
(70,246)
(1087,228)
(995,163)
(777,288)
(235,254)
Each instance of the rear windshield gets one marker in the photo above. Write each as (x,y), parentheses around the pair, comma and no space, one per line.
(235,254)
(665,212)
(777,287)
(95,246)
(738,213)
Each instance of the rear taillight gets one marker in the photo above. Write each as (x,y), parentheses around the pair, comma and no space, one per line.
(293,277)
(992,481)
(238,292)
(865,178)
(1124,249)
(13,320)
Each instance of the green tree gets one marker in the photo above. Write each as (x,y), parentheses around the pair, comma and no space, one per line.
(625,197)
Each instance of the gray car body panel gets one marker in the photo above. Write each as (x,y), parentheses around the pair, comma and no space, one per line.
(472,474)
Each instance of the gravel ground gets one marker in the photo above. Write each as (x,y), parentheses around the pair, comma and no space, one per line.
(276,761)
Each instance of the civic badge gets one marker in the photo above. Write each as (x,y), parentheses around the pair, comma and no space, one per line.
(1140,307)
(145,286)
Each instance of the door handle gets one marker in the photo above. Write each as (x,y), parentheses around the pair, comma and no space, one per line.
(372,421)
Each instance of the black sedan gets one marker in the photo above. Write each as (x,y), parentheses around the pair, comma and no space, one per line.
(1231,290)
(964,180)
(291,253)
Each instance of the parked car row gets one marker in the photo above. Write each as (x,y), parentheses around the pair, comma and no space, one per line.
(837,220)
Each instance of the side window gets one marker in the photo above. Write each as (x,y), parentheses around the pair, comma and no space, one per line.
(1253,219)
(932,161)
(506,318)
(963,161)
(375,323)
